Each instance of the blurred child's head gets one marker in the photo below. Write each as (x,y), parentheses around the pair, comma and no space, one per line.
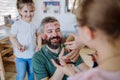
(99,16)
(26,9)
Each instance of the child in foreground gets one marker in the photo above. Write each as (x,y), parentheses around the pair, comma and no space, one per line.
(99,29)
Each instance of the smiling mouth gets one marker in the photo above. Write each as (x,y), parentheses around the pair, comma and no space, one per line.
(55,40)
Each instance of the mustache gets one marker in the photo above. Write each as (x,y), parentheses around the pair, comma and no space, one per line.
(55,37)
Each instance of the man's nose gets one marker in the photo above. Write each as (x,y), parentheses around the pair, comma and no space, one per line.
(55,33)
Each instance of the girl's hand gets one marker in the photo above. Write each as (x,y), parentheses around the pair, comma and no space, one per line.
(37,49)
(21,48)
(74,48)
(75,44)
(39,41)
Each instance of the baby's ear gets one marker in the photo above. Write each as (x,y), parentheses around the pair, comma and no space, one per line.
(88,33)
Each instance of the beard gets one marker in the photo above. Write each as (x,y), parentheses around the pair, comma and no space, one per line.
(54,45)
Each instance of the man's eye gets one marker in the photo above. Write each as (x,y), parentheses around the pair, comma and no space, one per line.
(49,31)
(57,30)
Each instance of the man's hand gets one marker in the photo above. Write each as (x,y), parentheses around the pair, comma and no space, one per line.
(64,67)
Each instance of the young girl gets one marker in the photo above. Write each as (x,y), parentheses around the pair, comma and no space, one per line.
(99,29)
(23,38)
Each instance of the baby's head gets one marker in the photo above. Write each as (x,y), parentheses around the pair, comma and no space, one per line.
(26,9)
(99,16)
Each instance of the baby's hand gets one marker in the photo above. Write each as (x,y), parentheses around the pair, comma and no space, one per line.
(73,43)
(71,38)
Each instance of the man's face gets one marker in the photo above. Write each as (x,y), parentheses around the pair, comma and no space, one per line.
(53,36)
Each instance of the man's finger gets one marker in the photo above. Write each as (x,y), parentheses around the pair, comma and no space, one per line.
(54,63)
(61,53)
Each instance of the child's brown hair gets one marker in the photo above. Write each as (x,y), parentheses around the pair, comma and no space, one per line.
(100,14)
(20,4)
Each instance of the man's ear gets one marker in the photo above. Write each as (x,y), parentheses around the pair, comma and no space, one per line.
(88,33)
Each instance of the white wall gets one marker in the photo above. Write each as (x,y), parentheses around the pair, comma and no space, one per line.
(67,20)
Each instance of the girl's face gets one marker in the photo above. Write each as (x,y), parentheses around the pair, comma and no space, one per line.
(81,35)
(27,13)
(84,37)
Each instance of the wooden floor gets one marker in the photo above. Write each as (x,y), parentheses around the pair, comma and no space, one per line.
(10,75)
(10,70)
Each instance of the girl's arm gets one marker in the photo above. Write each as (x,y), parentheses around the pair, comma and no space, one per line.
(39,41)
(15,43)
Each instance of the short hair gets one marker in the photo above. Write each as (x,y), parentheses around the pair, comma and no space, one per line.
(46,20)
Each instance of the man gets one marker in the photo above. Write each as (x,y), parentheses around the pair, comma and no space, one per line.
(42,64)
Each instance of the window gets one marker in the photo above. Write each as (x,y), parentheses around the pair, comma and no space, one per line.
(7,7)
(71,5)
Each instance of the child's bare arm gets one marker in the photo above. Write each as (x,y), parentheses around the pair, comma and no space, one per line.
(15,42)
(39,41)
